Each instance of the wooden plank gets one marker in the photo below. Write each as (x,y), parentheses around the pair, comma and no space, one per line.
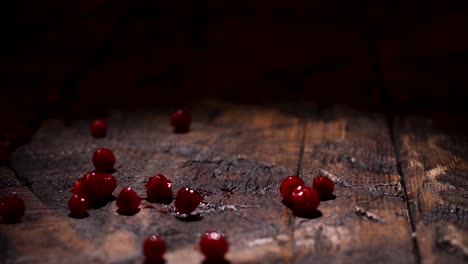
(235,155)
(367,222)
(43,235)
(435,166)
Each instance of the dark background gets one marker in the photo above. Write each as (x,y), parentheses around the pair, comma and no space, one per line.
(73,58)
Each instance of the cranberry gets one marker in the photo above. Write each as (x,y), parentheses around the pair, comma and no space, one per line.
(187,200)
(213,245)
(159,189)
(4,155)
(12,209)
(98,128)
(288,185)
(304,200)
(76,188)
(324,186)
(78,205)
(103,159)
(154,249)
(95,185)
(181,120)
(128,201)
(111,184)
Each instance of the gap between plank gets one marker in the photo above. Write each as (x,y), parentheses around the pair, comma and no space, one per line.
(390,115)
(290,216)
(302,148)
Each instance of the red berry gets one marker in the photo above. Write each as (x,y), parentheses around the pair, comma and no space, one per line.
(78,205)
(111,184)
(304,200)
(324,186)
(4,155)
(98,128)
(96,185)
(159,189)
(77,187)
(187,200)
(12,209)
(154,249)
(92,186)
(128,201)
(213,245)
(103,159)
(288,185)
(181,120)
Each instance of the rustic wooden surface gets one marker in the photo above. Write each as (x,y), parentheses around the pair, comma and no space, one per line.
(435,167)
(401,194)
(367,222)
(236,156)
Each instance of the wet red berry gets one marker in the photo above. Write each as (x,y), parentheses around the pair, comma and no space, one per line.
(4,155)
(213,245)
(95,185)
(103,159)
(187,200)
(324,186)
(181,120)
(78,205)
(76,188)
(304,200)
(154,249)
(159,189)
(98,128)
(12,208)
(288,185)
(128,201)
(111,184)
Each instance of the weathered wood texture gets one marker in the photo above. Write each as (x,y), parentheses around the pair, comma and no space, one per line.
(44,235)
(435,166)
(235,156)
(367,222)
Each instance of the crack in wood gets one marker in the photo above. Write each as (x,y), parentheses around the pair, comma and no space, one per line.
(237,175)
(368,215)
(374,188)
(337,180)
(290,252)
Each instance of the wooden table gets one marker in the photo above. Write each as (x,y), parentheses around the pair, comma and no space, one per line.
(401,193)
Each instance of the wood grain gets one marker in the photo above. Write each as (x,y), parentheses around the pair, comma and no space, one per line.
(235,156)
(367,222)
(435,166)
(43,235)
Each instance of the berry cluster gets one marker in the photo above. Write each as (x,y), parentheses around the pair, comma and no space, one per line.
(99,185)
(304,200)
(94,186)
